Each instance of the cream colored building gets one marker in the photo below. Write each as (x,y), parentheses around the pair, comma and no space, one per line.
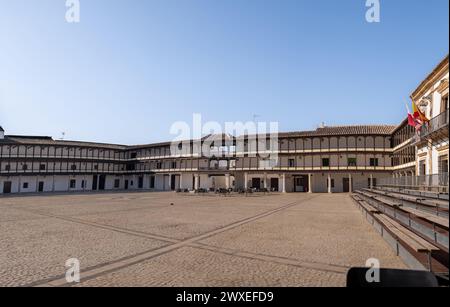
(432,98)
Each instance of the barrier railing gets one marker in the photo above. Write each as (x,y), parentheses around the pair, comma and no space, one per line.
(438,182)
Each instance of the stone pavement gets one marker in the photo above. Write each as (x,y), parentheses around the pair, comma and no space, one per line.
(140,239)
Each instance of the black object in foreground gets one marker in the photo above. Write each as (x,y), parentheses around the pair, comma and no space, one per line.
(356,278)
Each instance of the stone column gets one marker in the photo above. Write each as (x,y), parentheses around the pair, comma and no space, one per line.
(329,183)
(371,181)
(310,188)
(350,183)
(283,179)
(265,181)
(196,181)
(245,181)
(180,183)
(227,181)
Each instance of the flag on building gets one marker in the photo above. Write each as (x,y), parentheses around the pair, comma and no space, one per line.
(418,114)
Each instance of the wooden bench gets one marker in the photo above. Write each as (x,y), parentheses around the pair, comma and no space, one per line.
(408,237)
(441,221)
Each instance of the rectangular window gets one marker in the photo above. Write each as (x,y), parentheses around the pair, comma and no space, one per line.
(42,167)
(159,165)
(444,104)
(83,184)
(96,167)
(422,168)
(7,167)
(73,167)
(351,161)
(443,164)
(374,162)
(133,155)
(173,165)
(117,183)
(326,162)
(25,167)
(25,185)
(291,162)
(73,183)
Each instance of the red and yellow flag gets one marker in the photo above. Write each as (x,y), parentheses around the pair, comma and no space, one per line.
(418,114)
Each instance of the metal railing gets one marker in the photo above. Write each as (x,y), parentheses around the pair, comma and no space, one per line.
(435,124)
(429,182)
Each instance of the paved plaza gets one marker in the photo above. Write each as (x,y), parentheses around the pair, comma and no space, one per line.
(167,239)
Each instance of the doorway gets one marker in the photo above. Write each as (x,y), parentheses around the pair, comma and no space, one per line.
(274,184)
(94,183)
(256,183)
(7,187)
(102,182)
(346,185)
(41,186)
(126,184)
(141,182)
(301,184)
(173,182)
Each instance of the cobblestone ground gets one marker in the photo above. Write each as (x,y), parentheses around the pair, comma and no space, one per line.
(165,239)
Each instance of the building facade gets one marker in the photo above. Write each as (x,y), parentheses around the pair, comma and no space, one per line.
(432,144)
(329,159)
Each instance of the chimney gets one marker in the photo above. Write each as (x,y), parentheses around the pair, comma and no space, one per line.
(2,133)
(322,125)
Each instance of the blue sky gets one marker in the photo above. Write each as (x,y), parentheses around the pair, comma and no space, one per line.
(130,69)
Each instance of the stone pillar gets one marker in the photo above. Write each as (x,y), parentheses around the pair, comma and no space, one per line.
(180,183)
(283,179)
(245,181)
(227,181)
(350,183)
(196,181)
(371,181)
(265,181)
(329,184)
(310,188)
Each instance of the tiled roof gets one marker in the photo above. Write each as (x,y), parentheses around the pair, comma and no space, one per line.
(326,131)
(345,130)
(46,140)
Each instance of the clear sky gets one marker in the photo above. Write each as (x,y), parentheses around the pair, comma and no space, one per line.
(130,69)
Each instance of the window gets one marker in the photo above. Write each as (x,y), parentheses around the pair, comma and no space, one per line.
(96,167)
(133,155)
(152,182)
(7,167)
(422,168)
(117,183)
(73,167)
(83,184)
(25,167)
(326,162)
(444,103)
(173,165)
(374,162)
(443,164)
(351,161)
(159,165)
(25,185)
(73,183)
(42,167)
(291,162)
